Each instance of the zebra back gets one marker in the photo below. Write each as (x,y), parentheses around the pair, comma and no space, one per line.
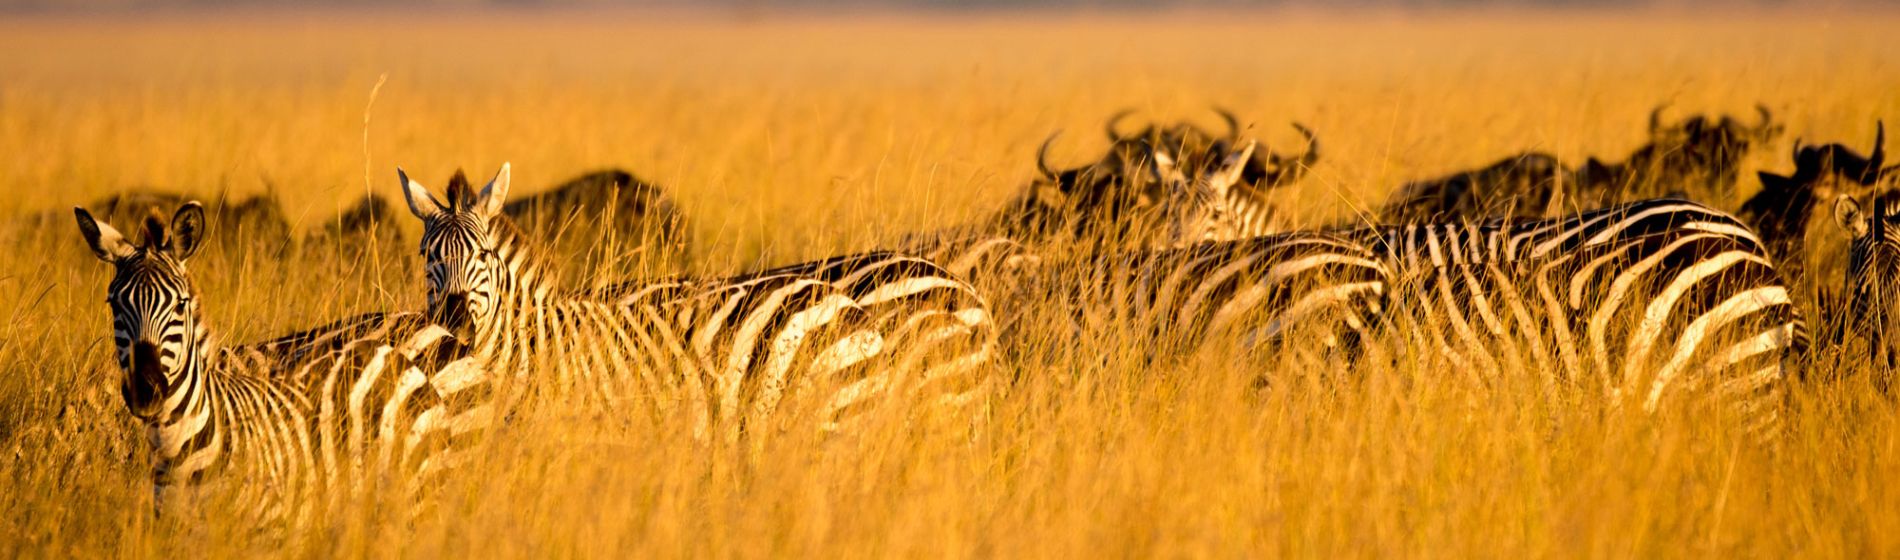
(1647,300)
(1301,290)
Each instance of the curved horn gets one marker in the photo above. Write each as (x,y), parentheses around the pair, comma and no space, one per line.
(1312,144)
(1042,155)
(1113,128)
(1767,118)
(1233,124)
(1655,118)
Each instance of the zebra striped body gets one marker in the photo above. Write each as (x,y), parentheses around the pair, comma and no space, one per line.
(1871,284)
(731,352)
(1648,298)
(1264,292)
(290,426)
(936,332)
(937,329)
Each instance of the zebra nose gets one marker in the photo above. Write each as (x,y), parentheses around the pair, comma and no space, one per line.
(146,380)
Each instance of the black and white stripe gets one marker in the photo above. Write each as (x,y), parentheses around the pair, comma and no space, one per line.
(290,425)
(1871,286)
(729,351)
(1304,290)
(1649,299)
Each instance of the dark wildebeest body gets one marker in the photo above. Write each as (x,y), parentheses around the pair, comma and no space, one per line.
(629,225)
(370,218)
(608,221)
(1521,185)
(257,223)
(1697,158)
(1782,211)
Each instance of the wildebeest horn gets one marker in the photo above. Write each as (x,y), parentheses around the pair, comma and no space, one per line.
(1284,170)
(1655,118)
(1233,124)
(1042,156)
(1114,132)
(1767,118)
(1312,144)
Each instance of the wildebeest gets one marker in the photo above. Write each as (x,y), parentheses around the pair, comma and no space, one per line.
(1697,154)
(255,223)
(1093,202)
(1698,157)
(609,214)
(1785,206)
(628,224)
(371,216)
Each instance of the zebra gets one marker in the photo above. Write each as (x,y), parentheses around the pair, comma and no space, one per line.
(727,351)
(938,330)
(1280,293)
(292,424)
(1697,152)
(1647,298)
(1873,265)
(1211,280)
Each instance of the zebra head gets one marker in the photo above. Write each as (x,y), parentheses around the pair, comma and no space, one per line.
(154,309)
(1873,267)
(1198,208)
(459,245)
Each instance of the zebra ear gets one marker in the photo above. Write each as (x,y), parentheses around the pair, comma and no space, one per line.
(1231,168)
(1847,212)
(188,228)
(1161,165)
(107,243)
(494,194)
(421,203)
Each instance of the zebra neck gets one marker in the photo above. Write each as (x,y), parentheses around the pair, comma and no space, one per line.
(182,416)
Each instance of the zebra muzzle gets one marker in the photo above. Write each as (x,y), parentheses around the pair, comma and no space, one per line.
(145,380)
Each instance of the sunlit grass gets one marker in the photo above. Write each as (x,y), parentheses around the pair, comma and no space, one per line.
(795,139)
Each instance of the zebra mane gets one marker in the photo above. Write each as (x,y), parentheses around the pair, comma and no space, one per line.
(524,254)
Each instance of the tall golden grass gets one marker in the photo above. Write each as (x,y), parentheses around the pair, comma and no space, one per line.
(791,139)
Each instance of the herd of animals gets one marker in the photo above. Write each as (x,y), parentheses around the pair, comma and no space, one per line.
(1606,275)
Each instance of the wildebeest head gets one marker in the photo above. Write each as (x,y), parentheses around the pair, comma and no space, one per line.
(1780,211)
(1196,206)
(1197,148)
(1695,152)
(1101,199)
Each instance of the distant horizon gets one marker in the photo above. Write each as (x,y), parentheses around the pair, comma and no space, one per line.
(746,8)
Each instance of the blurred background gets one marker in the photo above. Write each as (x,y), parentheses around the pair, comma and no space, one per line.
(788,130)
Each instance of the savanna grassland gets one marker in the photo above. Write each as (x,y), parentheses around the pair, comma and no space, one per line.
(796,137)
